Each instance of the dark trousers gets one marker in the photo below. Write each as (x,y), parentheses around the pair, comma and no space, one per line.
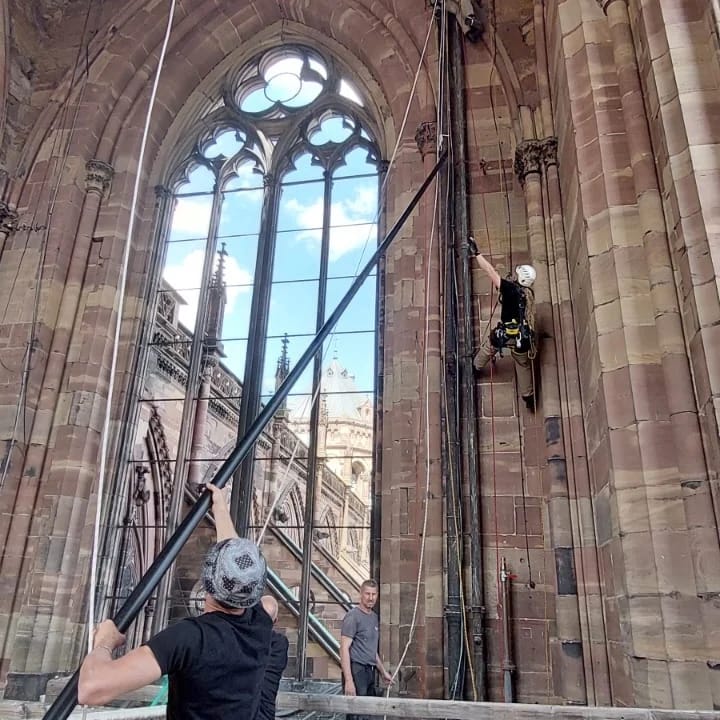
(364,679)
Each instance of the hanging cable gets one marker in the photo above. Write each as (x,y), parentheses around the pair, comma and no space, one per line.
(119,302)
(455,489)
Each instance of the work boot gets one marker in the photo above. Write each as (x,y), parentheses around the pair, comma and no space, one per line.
(529,402)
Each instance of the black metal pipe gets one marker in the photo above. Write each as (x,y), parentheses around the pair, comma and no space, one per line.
(338,595)
(508,666)
(243,482)
(377,461)
(451,468)
(311,479)
(451,463)
(468,416)
(66,701)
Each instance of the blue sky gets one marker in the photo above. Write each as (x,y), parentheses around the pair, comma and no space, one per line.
(294,292)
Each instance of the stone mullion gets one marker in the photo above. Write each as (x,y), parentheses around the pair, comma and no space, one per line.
(694,487)
(29,521)
(567,651)
(591,611)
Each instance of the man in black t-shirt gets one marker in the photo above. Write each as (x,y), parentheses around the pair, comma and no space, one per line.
(215,662)
(515,329)
(276,664)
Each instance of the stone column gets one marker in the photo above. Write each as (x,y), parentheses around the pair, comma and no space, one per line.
(49,522)
(408,449)
(681,74)
(693,484)
(591,610)
(567,649)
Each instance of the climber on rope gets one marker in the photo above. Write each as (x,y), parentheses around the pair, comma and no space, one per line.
(215,662)
(515,331)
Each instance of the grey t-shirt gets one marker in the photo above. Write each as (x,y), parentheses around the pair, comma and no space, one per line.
(362,627)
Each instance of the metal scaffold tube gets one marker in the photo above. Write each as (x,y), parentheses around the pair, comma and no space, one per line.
(466,391)
(66,701)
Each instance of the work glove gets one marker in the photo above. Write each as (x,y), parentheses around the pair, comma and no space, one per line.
(472,247)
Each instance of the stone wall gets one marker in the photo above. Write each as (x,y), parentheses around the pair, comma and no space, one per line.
(592,153)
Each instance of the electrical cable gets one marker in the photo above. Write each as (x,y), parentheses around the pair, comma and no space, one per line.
(119,303)
(444,75)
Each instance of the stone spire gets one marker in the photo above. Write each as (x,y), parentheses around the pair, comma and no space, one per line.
(281,372)
(217,300)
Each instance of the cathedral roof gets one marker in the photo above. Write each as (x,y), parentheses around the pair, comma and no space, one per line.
(339,393)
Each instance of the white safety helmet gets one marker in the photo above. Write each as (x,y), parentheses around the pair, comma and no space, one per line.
(525,275)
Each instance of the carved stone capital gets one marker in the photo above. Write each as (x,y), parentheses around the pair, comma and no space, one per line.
(8,218)
(162,192)
(549,151)
(268,180)
(426,137)
(605,4)
(528,158)
(99,175)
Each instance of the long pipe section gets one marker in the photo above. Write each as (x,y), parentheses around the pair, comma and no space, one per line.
(508,666)
(66,701)
(468,417)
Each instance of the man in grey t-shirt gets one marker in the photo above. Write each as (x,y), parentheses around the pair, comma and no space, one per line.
(359,640)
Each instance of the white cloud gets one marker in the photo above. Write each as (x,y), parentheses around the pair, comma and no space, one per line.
(364,204)
(246,178)
(185,278)
(192,216)
(343,240)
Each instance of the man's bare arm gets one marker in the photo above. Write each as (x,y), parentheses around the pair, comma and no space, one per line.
(345,643)
(102,679)
(488,269)
(224,527)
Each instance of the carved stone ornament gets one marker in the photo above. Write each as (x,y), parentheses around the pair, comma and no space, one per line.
(8,218)
(426,137)
(605,4)
(99,175)
(528,158)
(549,151)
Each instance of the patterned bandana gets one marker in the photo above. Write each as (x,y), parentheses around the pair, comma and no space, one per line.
(234,573)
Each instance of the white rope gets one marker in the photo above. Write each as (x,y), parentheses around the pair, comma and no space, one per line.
(421,559)
(118,324)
